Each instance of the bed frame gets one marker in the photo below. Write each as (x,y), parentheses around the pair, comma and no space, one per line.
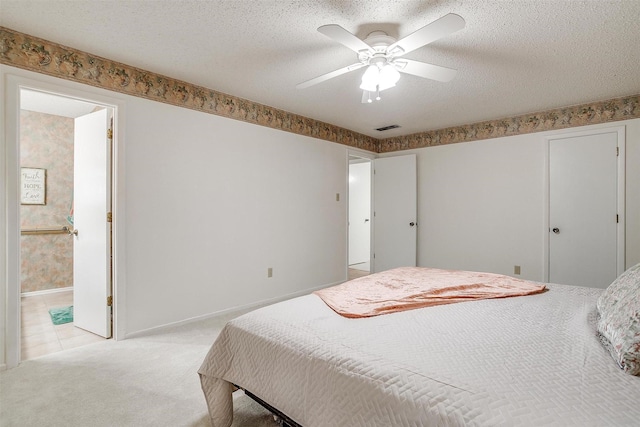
(281,418)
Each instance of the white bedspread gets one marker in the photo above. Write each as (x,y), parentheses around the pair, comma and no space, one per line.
(532,360)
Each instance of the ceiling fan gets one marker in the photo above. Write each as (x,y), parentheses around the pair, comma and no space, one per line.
(383,56)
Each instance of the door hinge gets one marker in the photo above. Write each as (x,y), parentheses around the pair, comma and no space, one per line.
(617,218)
(109,217)
(109,133)
(109,301)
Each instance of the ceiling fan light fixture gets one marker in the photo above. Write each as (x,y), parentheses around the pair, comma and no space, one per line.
(378,78)
(388,77)
(370,77)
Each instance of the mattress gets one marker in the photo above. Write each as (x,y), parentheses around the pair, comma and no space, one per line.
(532,360)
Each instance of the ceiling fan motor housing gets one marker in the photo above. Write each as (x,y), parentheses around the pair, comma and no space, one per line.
(379,41)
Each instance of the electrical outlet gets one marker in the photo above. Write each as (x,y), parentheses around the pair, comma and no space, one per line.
(269,272)
(516,269)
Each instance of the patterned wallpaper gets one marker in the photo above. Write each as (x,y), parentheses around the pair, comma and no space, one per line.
(42,56)
(562,118)
(46,141)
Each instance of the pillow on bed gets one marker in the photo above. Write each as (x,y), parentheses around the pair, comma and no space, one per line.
(619,320)
(624,284)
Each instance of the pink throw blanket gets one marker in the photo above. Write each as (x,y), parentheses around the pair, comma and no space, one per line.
(407,288)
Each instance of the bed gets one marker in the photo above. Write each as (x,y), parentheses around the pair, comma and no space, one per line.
(527,360)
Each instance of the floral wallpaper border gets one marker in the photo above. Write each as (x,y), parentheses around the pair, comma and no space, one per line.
(562,118)
(42,56)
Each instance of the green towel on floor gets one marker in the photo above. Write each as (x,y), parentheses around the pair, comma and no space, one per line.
(61,315)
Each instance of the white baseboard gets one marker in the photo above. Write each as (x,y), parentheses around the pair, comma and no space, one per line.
(3,367)
(240,308)
(46,291)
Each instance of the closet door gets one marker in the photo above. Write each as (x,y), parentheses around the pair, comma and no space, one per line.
(583,209)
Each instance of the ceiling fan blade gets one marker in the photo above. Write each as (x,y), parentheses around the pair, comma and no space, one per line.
(439,28)
(427,71)
(344,37)
(330,75)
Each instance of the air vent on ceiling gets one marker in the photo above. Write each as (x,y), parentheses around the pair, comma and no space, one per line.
(382,129)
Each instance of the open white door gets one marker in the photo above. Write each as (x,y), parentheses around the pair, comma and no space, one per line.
(395,212)
(583,209)
(92,202)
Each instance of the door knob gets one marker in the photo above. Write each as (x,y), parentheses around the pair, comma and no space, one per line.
(556,230)
(411,224)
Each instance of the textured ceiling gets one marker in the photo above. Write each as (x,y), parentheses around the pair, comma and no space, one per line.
(513,57)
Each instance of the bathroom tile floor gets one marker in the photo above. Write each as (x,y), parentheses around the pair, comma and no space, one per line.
(39,336)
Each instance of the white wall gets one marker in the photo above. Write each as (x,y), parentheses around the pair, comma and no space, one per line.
(481,204)
(209,205)
(212,203)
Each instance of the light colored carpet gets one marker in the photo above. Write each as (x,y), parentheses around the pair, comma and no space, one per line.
(145,381)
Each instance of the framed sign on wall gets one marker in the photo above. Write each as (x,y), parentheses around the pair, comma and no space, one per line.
(33,185)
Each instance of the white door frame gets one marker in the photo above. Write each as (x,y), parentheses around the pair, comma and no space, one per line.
(620,252)
(14,82)
(370,157)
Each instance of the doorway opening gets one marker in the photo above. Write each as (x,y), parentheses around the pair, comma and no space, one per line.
(359,217)
(56,166)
